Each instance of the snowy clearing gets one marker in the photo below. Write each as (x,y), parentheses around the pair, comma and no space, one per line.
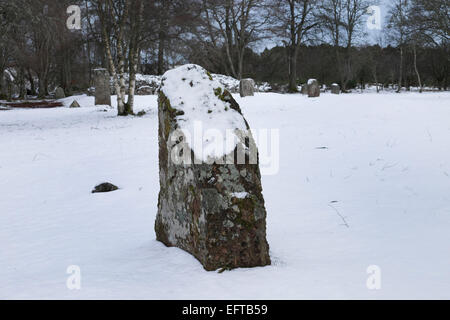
(364,180)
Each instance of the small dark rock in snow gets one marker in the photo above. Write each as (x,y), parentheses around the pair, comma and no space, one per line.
(75,104)
(105,187)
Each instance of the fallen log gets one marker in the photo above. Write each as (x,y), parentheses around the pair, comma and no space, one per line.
(35,105)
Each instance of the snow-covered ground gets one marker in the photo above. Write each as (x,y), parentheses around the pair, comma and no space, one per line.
(379,162)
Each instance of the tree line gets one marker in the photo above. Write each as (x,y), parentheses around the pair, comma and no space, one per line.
(325,39)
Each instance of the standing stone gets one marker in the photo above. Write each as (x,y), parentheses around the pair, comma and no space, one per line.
(102,87)
(247,88)
(59,93)
(304,89)
(208,207)
(335,88)
(313,88)
(6,85)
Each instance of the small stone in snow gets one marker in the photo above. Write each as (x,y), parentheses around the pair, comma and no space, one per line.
(75,104)
(105,187)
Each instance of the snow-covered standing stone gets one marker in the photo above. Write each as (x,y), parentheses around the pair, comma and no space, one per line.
(208,205)
(247,87)
(335,88)
(102,87)
(313,88)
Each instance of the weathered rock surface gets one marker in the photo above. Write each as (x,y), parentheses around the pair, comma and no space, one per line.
(59,93)
(206,207)
(102,87)
(335,88)
(247,88)
(313,88)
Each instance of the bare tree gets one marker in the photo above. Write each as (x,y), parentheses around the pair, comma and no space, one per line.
(342,22)
(124,20)
(136,39)
(429,25)
(432,19)
(115,13)
(295,19)
(234,25)
(398,31)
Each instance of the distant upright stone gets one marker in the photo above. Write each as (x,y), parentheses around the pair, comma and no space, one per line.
(313,88)
(59,93)
(102,87)
(75,104)
(247,87)
(91,91)
(304,89)
(7,86)
(335,88)
(279,88)
(210,202)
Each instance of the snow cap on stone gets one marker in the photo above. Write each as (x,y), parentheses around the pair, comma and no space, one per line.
(194,93)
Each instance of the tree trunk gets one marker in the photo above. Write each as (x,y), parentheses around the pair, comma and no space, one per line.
(131,89)
(162,36)
(160,70)
(375,77)
(2,84)
(416,69)
(66,74)
(346,72)
(241,64)
(120,102)
(340,65)
(134,58)
(118,74)
(122,108)
(31,80)
(401,71)
(42,87)
(293,88)
(22,88)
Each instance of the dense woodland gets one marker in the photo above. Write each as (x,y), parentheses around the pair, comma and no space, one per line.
(326,40)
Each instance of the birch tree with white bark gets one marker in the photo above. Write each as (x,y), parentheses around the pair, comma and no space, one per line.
(119,19)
